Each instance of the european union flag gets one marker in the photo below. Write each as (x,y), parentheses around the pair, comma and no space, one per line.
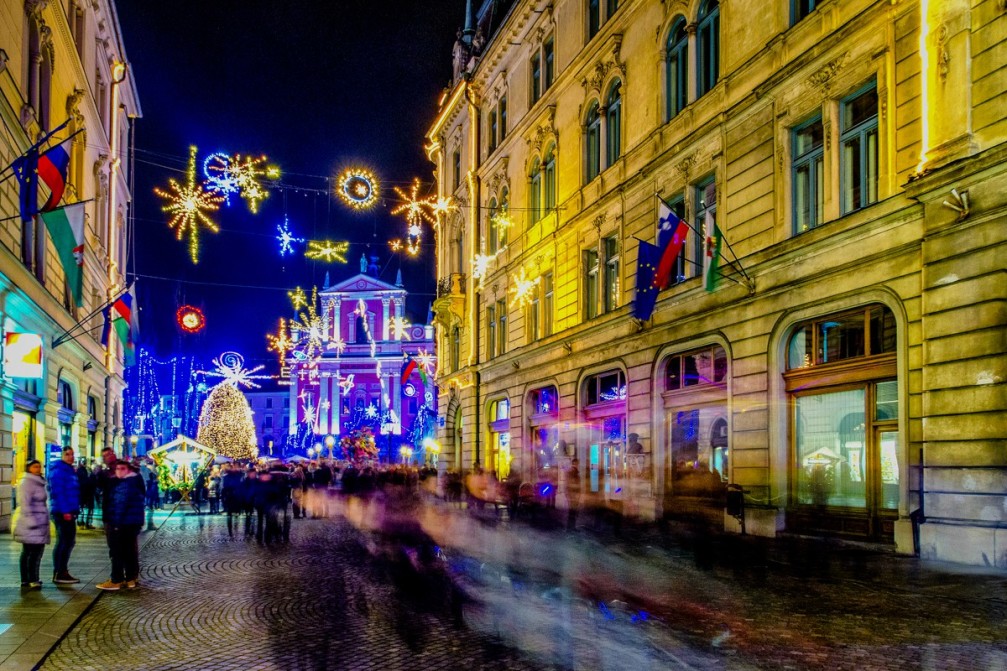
(648,256)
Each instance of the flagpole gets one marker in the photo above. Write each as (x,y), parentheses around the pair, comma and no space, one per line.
(38,144)
(18,216)
(66,335)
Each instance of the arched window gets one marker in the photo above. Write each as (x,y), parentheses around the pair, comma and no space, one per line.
(592,148)
(613,113)
(708,46)
(491,225)
(535,191)
(65,396)
(676,70)
(549,179)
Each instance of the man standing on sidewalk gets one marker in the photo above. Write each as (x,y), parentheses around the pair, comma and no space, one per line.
(64,497)
(125,519)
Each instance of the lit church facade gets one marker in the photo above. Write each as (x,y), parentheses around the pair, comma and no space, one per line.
(356,379)
(848,369)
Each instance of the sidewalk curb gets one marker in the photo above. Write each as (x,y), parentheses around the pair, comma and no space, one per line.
(87,609)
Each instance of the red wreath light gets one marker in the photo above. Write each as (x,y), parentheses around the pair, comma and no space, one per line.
(190,319)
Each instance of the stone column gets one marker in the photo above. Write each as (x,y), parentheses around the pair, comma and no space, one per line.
(384,317)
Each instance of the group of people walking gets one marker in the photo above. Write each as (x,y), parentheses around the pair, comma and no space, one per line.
(64,500)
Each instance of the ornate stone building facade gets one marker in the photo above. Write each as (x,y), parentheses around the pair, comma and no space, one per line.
(63,60)
(848,370)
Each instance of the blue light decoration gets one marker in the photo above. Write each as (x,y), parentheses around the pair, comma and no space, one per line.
(286,238)
(163,398)
(220,179)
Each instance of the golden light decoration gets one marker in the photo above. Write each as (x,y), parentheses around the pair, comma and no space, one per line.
(481,266)
(443,206)
(417,210)
(189,206)
(339,345)
(298,298)
(358,188)
(425,360)
(312,326)
(280,342)
(396,245)
(326,250)
(246,173)
(501,221)
(190,319)
(399,327)
(523,289)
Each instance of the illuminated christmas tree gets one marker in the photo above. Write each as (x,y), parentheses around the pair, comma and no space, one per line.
(226,423)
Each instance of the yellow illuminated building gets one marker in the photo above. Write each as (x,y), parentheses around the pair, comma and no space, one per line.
(63,60)
(848,371)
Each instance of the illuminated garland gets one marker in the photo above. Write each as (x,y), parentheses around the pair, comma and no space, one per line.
(190,319)
(358,188)
(327,250)
(188,206)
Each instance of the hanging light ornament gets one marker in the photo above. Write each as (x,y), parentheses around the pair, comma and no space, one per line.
(358,188)
(417,210)
(281,344)
(246,173)
(523,290)
(286,238)
(190,319)
(231,367)
(189,206)
(326,250)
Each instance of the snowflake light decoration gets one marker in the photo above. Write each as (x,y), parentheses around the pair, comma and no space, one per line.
(286,238)
(337,344)
(396,245)
(217,171)
(425,360)
(312,326)
(358,188)
(298,298)
(371,412)
(522,290)
(280,342)
(399,327)
(189,206)
(231,367)
(327,251)
(416,210)
(443,205)
(246,173)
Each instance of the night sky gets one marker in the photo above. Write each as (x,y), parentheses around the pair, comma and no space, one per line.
(315,85)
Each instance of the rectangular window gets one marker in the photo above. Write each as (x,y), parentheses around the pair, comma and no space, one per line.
(286,403)
(859,157)
(534,324)
(501,326)
(593,17)
(549,61)
(503,117)
(610,7)
(706,216)
(831,449)
(547,305)
(492,131)
(457,168)
(808,176)
(610,299)
(800,9)
(346,405)
(591,283)
(267,422)
(677,206)
(491,331)
(269,403)
(536,77)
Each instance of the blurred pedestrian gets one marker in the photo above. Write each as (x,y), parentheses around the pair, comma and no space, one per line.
(249,490)
(320,483)
(126,519)
(64,493)
(87,487)
(153,492)
(573,494)
(213,491)
(31,528)
(230,495)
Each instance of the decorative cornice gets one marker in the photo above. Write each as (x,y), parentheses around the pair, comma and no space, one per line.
(825,75)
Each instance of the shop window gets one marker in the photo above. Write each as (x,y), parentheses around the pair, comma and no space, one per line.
(499,442)
(606,388)
(702,367)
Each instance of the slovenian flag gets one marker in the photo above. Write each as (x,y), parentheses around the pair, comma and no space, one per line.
(408,366)
(671,234)
(52,170)
(122,316)
(66,227)
(711,253)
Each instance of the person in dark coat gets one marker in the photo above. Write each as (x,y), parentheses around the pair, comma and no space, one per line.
(126,517)
(320,483)
(230,495)
(64,495)
(32,526)
(86,481)
(249,490)
(104,480)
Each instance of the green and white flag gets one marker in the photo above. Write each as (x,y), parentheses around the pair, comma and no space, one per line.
(66,226)
(712,239)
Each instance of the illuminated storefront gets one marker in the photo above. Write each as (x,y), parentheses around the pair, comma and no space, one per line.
(605,415)
(543,434)
(499,457)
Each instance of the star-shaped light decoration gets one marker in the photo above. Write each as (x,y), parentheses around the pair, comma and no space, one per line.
(417,210)
(396,245)
(339,345)
(522,290)
(371,411)
(346,384)
(312,326)
(246,173)
(426,361)
(298,298)
(281,344)
(286,238)
(399,327)
(326,250)
(231,367)
(443,205)
(189,206)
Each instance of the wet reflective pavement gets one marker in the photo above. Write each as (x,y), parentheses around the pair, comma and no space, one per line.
(500,596)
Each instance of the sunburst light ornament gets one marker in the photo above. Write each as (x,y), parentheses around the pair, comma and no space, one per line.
(189,206)
(417,210)
(325,250)
(523,289)
(231,367)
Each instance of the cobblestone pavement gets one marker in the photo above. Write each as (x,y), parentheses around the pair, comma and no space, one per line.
(540,600)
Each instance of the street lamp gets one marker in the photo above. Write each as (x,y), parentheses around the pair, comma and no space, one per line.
(133,440)
(406,452)
(330,440)
(311,453)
